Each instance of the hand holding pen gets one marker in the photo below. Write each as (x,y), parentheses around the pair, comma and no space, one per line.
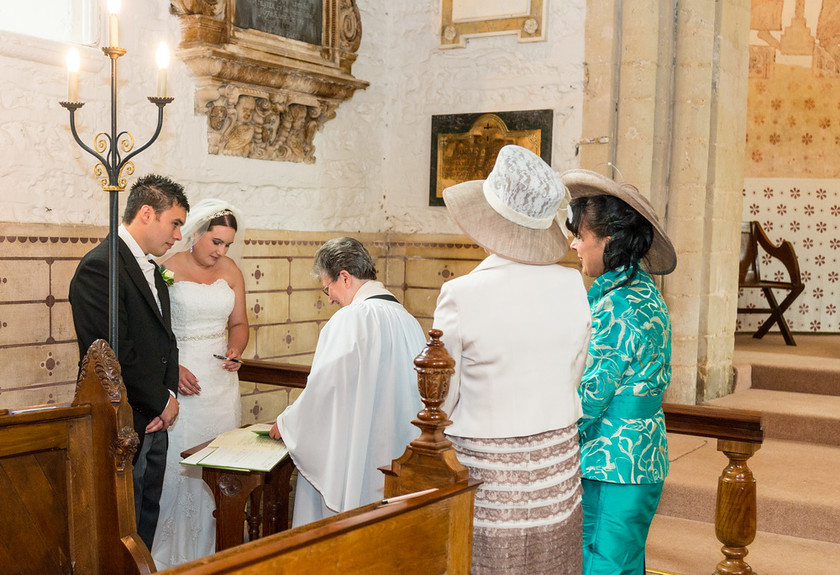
(231,363)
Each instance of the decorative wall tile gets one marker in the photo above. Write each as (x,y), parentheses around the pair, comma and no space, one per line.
(300,273)
(310,304)
(263,274)
(282,341)
(61,272)
(267,307)
(428,273)
(24,280)
(24,323)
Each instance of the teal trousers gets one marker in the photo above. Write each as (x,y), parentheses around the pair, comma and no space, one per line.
(616,520)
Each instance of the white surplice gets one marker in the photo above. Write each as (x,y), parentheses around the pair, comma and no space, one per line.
(355,414)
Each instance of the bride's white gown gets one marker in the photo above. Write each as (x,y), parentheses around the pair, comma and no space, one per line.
(186,528)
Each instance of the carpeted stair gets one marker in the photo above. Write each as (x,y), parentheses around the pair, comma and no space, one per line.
(797,471)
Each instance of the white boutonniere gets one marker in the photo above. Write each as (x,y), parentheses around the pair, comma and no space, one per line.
(167,275)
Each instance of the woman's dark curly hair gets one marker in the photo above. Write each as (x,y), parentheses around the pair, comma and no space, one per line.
(630,234)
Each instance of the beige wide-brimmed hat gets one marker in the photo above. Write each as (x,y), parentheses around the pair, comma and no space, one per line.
(513,213)
(661,258)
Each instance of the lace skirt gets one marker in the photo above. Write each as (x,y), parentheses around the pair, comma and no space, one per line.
(528,517)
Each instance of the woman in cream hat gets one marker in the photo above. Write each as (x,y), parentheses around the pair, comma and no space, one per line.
(624,452)
(518,328)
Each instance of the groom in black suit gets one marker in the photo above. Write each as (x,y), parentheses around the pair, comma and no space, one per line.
(148,354)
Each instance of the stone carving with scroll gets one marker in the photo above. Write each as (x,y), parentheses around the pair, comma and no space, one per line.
(265,96)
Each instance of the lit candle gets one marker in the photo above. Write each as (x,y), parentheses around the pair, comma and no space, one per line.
(73,65)
(162,58)
(113,24)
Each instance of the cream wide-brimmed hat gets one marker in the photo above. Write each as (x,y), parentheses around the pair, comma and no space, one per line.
(661,258)
(513,213)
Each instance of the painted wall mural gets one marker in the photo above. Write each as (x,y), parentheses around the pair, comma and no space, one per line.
(792,168)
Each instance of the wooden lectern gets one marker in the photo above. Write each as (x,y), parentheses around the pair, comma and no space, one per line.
(267,491)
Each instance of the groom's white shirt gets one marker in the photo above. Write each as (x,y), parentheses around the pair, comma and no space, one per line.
(147,267)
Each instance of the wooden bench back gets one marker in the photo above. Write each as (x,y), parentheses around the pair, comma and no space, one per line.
(65,476)
(430,533)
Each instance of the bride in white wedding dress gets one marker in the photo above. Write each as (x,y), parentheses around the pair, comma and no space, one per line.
(208,317)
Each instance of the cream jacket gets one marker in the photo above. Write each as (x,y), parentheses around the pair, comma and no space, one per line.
(519,335)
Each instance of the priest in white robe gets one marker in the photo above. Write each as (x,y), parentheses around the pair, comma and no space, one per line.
(361,395)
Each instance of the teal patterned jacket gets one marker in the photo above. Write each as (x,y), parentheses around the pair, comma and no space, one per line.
(622,430)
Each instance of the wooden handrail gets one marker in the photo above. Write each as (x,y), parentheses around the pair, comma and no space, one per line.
(716,422)
(274,373)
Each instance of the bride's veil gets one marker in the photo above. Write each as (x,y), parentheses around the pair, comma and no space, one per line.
(198,221)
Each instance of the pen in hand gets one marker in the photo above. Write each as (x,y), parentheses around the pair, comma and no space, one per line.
(217,356)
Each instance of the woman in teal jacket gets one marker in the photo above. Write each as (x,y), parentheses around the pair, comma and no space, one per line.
(624,451)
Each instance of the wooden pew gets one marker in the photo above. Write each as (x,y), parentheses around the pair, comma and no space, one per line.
(426,534)
(427,529)
(65,476)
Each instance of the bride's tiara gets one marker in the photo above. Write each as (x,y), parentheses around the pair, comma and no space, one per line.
(221,213)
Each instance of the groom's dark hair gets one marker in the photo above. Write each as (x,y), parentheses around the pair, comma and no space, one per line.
(156,191)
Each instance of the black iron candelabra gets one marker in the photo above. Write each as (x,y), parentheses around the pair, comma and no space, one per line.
(114,152)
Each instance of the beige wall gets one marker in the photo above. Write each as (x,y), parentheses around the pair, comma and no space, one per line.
(286,309)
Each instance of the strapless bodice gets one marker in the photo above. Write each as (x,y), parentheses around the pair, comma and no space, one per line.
(200,311)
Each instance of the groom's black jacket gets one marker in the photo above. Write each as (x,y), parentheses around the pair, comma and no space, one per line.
(148,352)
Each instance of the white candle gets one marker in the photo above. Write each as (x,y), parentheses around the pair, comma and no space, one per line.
(73,65)
(162,58)
(113,24)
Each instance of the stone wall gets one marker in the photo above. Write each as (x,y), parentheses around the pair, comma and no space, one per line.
(371,172)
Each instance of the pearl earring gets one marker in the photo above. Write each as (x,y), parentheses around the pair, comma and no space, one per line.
(191,249)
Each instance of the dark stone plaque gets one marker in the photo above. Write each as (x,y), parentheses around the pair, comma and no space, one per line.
(296,19)
(465,146)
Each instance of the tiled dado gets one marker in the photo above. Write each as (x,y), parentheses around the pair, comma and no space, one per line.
(286,308)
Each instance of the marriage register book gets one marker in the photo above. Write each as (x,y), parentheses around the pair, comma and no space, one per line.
(243,449)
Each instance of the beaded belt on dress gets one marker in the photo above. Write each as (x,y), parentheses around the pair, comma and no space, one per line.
(202,336)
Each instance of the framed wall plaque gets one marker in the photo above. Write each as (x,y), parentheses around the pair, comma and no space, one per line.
(464,146)
(269,73)
(463,19)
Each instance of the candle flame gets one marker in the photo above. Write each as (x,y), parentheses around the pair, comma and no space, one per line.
(73,60)
(113,6)
(162,56)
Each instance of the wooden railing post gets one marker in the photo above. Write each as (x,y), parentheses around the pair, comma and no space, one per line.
(429,460)
(735,508)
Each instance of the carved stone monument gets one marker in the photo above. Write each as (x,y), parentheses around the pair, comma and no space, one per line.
(266,94)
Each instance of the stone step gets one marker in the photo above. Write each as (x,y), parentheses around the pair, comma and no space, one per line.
(813,378)
(796,484)
(685,547)
(790,415)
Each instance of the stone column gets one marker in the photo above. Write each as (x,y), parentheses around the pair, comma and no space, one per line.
(680,93)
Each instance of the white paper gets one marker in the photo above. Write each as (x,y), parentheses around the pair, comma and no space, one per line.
(241,449)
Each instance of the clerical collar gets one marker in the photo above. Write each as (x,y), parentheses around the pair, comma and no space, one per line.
(368,289)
